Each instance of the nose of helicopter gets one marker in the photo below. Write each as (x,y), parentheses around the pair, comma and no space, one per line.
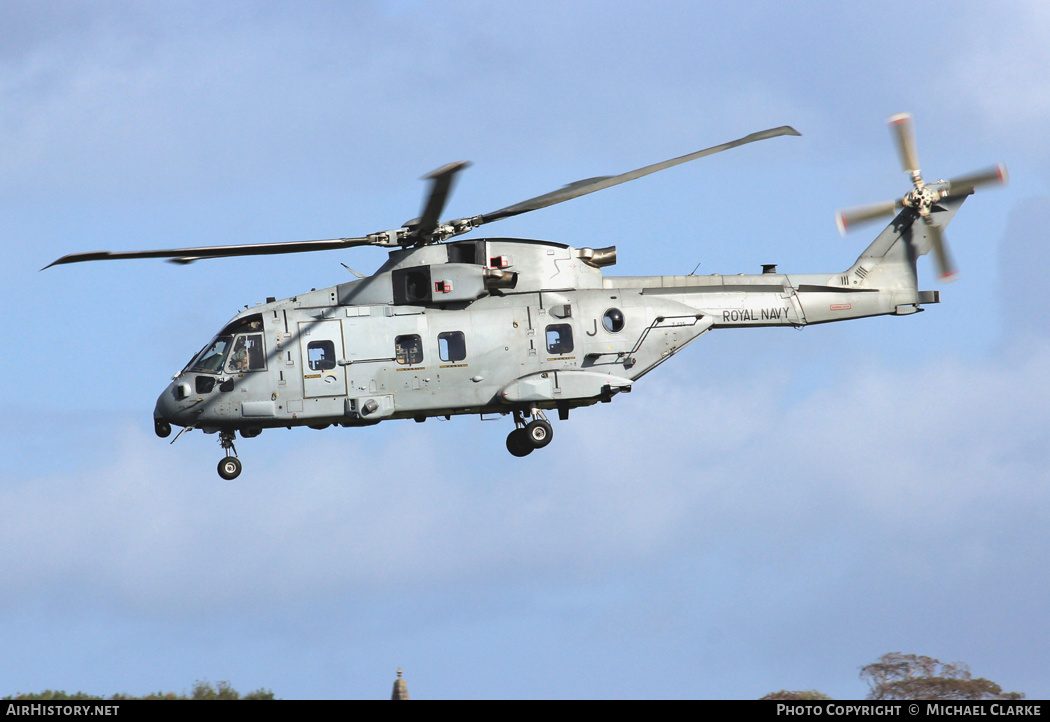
(167,412)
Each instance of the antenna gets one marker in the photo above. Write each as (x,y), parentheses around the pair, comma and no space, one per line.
(351,270)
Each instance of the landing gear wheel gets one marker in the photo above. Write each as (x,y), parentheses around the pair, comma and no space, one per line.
(539,433)
(518,443)
(230,468)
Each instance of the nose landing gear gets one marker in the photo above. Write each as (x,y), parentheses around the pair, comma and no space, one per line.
(529,436)
(230,466)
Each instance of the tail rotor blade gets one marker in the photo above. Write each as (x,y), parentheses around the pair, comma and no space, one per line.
(965,185)
(946,270)
(851,217)
(904,132)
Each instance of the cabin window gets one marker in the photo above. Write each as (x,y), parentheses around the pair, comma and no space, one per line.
(247,354)
(320,355)
(559,338)
(452,346)
(613,320)
(204,384)
(408,349)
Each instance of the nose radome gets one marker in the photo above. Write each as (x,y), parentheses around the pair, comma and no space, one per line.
(167,411)
(165,408)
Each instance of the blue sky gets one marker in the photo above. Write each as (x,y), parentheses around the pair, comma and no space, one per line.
(774,509)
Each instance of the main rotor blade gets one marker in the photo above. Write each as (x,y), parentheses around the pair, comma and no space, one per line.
(582,188)
(441,182)
(965,185)
(187,255)
(851,217)
(904,133)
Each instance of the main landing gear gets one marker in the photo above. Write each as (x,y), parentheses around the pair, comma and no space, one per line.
(230,466)
(529,436)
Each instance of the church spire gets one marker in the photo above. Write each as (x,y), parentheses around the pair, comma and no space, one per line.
(400,688)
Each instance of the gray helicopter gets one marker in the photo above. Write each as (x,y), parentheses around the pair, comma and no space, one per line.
(516,326)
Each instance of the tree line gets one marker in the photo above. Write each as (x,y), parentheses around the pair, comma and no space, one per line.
(892,676)
(201,690)
(897,676)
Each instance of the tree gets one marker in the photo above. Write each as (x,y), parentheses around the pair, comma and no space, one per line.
(51,695)
(798,695)
(908,676)
(223,690)
(201,690)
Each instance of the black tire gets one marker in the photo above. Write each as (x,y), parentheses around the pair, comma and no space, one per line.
(539,433)
(163,428)
(230,468)
(518,443)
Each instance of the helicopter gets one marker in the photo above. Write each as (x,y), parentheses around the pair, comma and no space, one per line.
(513,326)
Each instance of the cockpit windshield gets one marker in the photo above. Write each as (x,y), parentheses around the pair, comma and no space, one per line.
(244,324)
(248,354)
(210,359)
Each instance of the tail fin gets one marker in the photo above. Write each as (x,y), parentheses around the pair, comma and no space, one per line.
(889,262)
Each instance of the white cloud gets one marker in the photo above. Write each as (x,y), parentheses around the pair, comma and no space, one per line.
(939,454)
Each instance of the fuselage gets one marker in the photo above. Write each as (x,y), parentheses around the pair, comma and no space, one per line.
(485,326)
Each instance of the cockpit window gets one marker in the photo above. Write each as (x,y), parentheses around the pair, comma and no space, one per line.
(210,359)
(244,325)
(249,346)
(247,354)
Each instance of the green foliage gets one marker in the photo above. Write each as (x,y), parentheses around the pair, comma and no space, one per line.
(260,694)
(201,690)
(798,695)
(205,690)
(223,690)
(908,676)
(51,695)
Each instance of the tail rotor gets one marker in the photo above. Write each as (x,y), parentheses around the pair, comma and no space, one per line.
(922,199)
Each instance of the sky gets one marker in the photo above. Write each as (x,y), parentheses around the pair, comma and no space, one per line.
(773,509)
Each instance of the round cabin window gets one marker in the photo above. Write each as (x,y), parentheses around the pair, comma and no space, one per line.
(613,320)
